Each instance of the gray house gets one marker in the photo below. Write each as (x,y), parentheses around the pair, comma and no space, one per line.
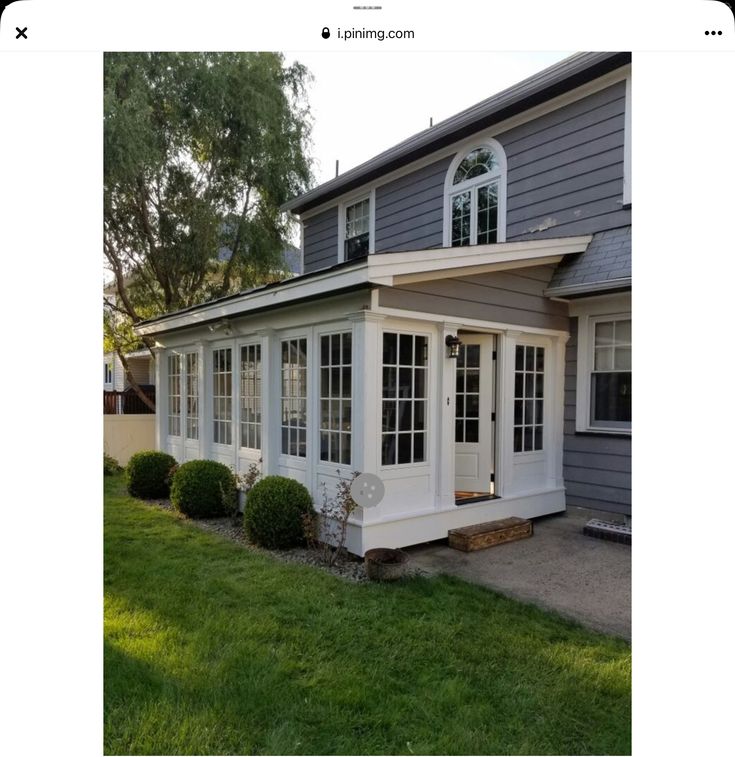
(462,326)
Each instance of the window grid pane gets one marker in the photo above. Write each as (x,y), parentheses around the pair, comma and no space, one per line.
(357,229)
(528,399)
(192,395)
(222,395)
(250,396)
(335,398)
(174,395)
(405,360)
(467,408)
(293,397)
(610,380)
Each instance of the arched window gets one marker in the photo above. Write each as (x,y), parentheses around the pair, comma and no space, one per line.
(474,209)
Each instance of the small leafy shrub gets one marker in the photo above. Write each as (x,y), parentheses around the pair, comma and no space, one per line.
(274,512)
(111,466)
(204,489)
(148,474)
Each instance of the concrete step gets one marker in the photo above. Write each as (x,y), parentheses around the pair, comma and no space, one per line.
(484,535)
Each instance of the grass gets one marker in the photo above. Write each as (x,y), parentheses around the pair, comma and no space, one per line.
(212,649)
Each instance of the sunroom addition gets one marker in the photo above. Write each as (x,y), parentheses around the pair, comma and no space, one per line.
(350,370)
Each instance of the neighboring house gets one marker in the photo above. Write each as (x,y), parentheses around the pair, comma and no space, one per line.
(142,366)
(461,329)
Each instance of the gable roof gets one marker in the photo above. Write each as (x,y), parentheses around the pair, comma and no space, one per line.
(605,265)
(553,81)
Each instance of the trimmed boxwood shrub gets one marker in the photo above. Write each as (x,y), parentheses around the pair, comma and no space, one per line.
(147,474)
(274,512)
(204,489)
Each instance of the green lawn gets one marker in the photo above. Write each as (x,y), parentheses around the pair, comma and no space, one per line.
(212,649)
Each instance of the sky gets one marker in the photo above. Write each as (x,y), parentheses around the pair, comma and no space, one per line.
(363,103)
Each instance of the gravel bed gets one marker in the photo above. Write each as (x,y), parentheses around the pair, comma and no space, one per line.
(350,568)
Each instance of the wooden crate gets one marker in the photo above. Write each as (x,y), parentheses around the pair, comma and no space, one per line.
(483,535)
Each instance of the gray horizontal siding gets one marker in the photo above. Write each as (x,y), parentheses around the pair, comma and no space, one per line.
(320,240)
(597,469)
(565,169)
(513,298)
(409,212)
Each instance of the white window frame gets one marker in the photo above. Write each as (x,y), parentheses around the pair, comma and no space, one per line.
(428,400)
(350,200)
(260,399)
(174,357)
(233,396)
(450,190)
(627,149)
(320,397)
(109,364)
(585,361)
(308,397)
(188,417)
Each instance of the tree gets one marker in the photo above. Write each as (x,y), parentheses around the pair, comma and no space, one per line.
(200,151)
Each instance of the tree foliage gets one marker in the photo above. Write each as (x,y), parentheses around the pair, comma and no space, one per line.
(200,150)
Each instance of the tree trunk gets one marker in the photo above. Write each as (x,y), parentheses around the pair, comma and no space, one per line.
(133,382)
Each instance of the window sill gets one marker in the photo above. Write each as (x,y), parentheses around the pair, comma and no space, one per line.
(604,432)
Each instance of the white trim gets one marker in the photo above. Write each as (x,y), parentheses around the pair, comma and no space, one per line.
(627,151)
(352,199)
(608,309)
(384,269)
(596,85)
(500,175)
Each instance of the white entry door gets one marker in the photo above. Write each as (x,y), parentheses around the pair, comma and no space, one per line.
(474,415)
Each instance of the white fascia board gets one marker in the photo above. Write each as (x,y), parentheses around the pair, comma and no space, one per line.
(591,288)
(390,268)
(384,269)
(290,292)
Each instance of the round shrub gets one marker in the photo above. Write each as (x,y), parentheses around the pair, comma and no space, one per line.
(274,512)
(204,489)
(148,474)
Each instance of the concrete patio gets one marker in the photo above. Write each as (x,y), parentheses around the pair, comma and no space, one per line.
(582,578)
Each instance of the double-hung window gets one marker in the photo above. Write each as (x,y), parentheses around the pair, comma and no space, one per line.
(611,374)
(108,373)
(357,229)
(604,370)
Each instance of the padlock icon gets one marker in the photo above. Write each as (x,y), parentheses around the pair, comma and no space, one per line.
(325,32)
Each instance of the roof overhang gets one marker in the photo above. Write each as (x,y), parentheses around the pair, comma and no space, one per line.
(562,77)
(595,287)
(382,269)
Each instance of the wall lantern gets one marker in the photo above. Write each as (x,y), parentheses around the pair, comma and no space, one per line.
(453,342)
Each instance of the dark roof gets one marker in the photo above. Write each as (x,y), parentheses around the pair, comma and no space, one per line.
(274,285)
(605,263)
(553,81)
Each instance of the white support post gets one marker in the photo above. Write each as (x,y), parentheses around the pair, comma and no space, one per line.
(504,411)
(205,400)
(556,456)
(161,399)
(366,408)
(270,401)
(446,411)
(200,397)
(366,380)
